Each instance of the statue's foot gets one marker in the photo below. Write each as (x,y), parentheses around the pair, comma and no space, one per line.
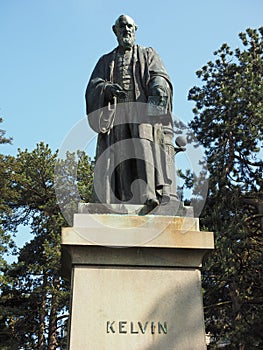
(165,199)
(151,203)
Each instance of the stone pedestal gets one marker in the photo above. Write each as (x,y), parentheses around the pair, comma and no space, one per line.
(136,282)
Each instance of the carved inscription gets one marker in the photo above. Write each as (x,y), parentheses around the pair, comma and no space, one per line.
(138,327)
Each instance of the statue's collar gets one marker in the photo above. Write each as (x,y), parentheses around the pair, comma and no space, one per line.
(123,50)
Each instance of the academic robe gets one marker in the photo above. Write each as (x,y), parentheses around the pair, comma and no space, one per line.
(132,145)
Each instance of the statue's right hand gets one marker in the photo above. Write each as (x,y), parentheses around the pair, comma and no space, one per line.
(112,90)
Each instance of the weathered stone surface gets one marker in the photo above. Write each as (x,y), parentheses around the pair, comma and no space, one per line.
(173,208)
(137,297)
(134,230)
(136,309)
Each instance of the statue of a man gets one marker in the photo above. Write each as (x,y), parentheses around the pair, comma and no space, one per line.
(128,80)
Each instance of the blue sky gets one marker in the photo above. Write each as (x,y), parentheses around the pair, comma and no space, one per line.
(49,48)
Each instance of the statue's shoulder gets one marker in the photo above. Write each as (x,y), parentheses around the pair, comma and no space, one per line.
(147,51)
(108,56)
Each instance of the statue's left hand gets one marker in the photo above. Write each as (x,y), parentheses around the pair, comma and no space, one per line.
(158,91)
(112,90)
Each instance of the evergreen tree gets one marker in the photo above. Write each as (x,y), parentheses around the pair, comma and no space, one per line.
(35,297)
(228,122)
(6,193)
(3,138)
(6,241)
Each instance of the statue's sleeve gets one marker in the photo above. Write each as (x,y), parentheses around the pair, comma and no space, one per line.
(95,89)
(158,77)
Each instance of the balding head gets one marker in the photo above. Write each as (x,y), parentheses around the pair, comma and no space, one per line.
(130,19)
(124,29)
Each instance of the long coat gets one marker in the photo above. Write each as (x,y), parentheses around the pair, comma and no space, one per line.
(133,147)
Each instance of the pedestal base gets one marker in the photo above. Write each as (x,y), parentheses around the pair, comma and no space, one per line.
(143,297)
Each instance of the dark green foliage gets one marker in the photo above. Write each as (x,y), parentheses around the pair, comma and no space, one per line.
(228,122)
(6,192)
(4,139)
(6,242)
(34,299)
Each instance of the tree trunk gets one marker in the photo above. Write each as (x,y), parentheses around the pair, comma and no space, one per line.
(236,308)
(52,329)
(42,315)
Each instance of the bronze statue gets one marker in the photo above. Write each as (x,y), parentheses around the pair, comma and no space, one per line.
(129,104)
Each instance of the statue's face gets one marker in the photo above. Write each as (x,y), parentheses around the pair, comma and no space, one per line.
(125,31)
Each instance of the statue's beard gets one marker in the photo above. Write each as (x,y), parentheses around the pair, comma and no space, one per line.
(127,41)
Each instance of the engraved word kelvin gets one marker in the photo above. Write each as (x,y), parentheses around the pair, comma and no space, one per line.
(125,327)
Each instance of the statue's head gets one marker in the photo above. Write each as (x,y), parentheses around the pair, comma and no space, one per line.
(124,29)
